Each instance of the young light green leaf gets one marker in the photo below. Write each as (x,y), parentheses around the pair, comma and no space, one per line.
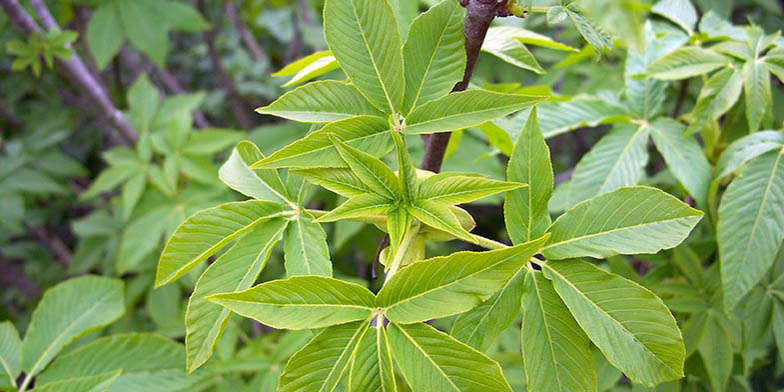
(235,270)
(365,40)
(438,216)
(359,206)
(321,364)
(260,184)
(431,360)
(144,359)
(617,160)
(398,226)
(104,38)
(629,220)
(370,170)
(10,350)
(434,54)
(684,157)
(717,96)
(321,102)
(600,41)
(305,249)
(680,12)
(756,87)
(367,133)
(448,285)
(525,209)
(502,42)
(629,324)
(207,232)
(336,179)
(452,189)
(406,171)
(533,38)
(686,62)
(371,367)
(749,230)
(99,383)
(301,302)
(556,352)
(556,118)
(482,325)
(464,110)
(747,148)
(308,67)
(774,60)
(67,311)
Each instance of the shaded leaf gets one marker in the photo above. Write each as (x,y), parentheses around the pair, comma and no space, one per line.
(684,157)
(686,62)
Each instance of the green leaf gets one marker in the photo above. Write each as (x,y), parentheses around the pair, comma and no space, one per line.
(749,229)
(686,62)
(211,141)
(10,349)
(365,40)
(448,285)
(482,325)
(680,12)
(145,28)
(99,383)
(629,324)
(600,41)
(336,179)
(438,216)
(235,270)
(308,67)
(359,206)
(525,209)
(630,220)
(260,184)
(371,367)
(370,170)
(434,54)
(756,87)
(104,38)
(321,102)
(465,110)
(503,43)
(305,249)
(778,319)
(617,160)
(556,352)
(406,171)
(743,150)
(684,157)
(774,60)
(301,302)
(717,96)
(321,364)
(715,348)
(67,311)
(431,360)
(144,359)
(533,38)
(452,189)
(182,16)
(398,226)
(207,232)
(556,118)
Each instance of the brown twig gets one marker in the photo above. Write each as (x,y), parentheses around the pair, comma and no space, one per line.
(245,35)
(51,242)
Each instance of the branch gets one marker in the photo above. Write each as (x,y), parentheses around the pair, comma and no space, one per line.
(479,15)
(52,243)
(73,68)
(245,35)
(13,275)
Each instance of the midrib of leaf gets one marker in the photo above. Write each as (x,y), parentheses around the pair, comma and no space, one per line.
(285,305)
(372,58)
(427,356)
(355,341)
(301,235)
(499,107)
(431,215)
(385,345)
(529,148)
(621,155)
(34,369)
(608,316)
(492,306)
(547,331)
(430,60)
(328,146)
(7,370)
(460,193)
(762,204)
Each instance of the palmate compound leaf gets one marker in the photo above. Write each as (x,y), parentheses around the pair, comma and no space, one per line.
(67,311)
(629,324)
(364,38)
(207,232)
(301,302)
(431,360)
(260,184)
(371,366)
(321,364)
(143,358)
(750,229)
(629,220)
(448,285)
(235,270)
(465,110)
(366,133)
(321,102)
(556,352)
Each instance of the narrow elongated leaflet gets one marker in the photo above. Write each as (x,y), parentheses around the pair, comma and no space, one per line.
(10,347)
(260,184)
(371,367)
(438,216)
(321,102)
(305,248)
(686,62)
(370,170)
(684,157)
(448,188)
(358,206)
(336,179)
(747,148)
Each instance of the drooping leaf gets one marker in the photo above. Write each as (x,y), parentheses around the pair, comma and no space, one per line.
(301,302)
(67,311)
(440,217)
(321,364)
(556,352)
(431,360)
(717,96)
(680,12)
(10,350)
(359,206)
(308,67)
(235,270)
(321,102)
(260,184)
(686,62)
(371,368)
(756,87)
(452,189)
(747,148)
(364,38)
(447,285)
(367,133)
(684,157)
(370,170)
(525,209)
(464,110)
(434,54)
(207,232)
(629,220)
(502,42)
(629,324)
(305,248)
(749,229)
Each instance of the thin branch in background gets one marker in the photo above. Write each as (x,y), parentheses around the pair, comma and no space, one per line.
(12,275)
(304,11)
(684,88)
(82,16)
(245,35)
(295,47)
(10,118)
(51,242)
(563,177)
(237,104)
(73,68)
